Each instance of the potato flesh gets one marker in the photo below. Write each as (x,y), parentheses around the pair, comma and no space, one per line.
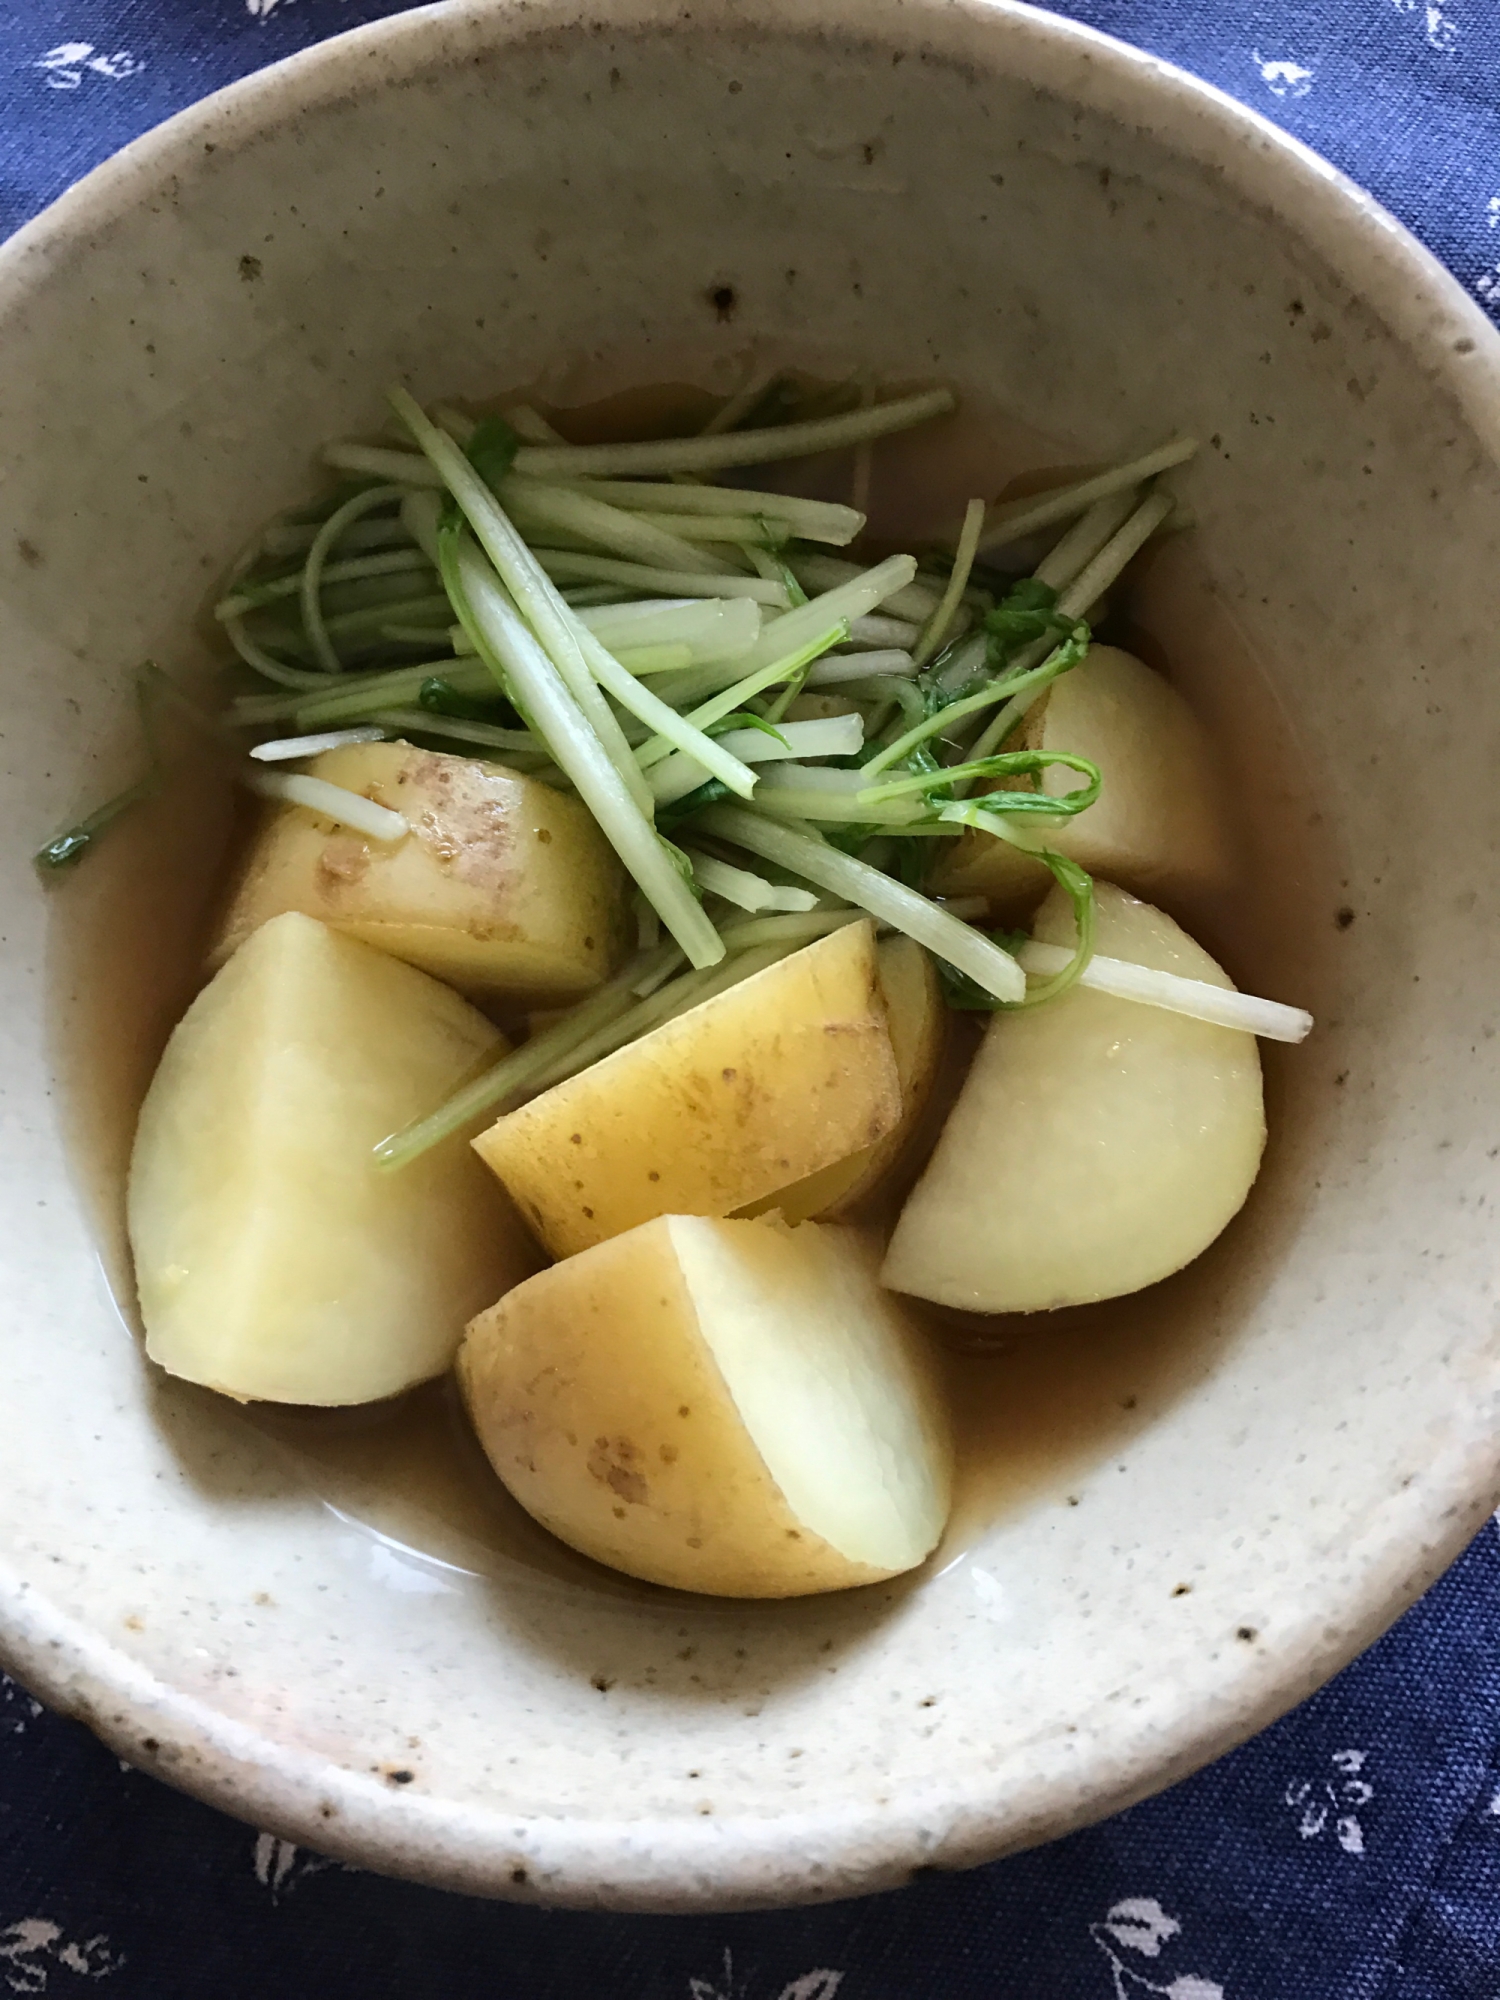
(918,1023)
(781,1075)
(1158,826)
(1097,1146)
(272,1260)
(724,1406)
(503,886)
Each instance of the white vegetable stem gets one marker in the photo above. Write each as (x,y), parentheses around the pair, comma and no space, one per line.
(958,583)
(1041,510)
(547,700)
(713,628)
(745,890)
(812,520)
(335,802)
(904,909)
(409,468)
(1194,997)
(814,572)
(578,566)
(284,748)
(730,698)
(715,453)
(540,505)
(836,736)
(861,667)
(848,600)
(535,595)
(670,727)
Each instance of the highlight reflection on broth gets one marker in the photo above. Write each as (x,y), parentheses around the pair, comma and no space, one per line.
(766,971)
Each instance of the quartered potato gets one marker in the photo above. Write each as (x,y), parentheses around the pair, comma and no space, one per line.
(918,1022)
(1098,1144)
(730,1407)
(783,1074)
(272,1259)
(503,886)
(1157,827)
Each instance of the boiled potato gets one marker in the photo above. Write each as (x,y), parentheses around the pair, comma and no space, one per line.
(1097,1145)
(273,1260)
(918,1022)
(1157,827)
(732,1407)
(503,886)
(784,1073)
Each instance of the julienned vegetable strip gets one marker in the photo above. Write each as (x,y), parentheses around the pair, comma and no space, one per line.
(745,890)
(577,566)
(335,802)
(753,447)
(1061,503)
(665,721)
(574,511)
(1220,1005)
(312,569)
(287,747)
(533,591)
(519,1070)
(522,667)
(958,582)
(904,909)
(729,699)
(812,520)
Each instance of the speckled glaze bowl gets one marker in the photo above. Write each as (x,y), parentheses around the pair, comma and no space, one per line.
(1186,1533)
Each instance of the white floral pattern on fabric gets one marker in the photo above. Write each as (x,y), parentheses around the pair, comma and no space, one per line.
(1140,1926)
(822,1984)
(66,66)
(1283,77)
(32,1950)
(280,1864)
(1317,1802)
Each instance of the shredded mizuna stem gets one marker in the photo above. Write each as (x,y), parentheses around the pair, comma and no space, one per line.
(1042,510)
(284,748)
(1220,1005)
(904,909)
(717,452)
(958,583)
(335,802)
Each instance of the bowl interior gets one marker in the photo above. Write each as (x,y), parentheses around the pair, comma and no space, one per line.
(1193,1511)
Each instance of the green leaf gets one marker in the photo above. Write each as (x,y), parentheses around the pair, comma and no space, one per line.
(746,719)
(1027,612)
(492,449)
(439,697)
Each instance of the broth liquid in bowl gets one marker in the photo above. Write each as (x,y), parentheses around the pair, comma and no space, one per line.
(1040,1401)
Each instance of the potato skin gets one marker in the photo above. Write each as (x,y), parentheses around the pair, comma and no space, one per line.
(599,1402)
(273,1260)
(919,1023)
(503,887)
(1158,826)
(1097,1146)
(779,1076)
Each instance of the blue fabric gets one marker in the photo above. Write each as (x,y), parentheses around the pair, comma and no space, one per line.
(1350,1853)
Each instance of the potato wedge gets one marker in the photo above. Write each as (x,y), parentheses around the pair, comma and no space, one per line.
(918,1022)
(1158,826)
(273,1261)
(731,1407)
(1098,1144)
(503,887)
(783,1074)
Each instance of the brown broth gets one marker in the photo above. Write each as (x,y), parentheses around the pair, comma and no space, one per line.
(1040,1401)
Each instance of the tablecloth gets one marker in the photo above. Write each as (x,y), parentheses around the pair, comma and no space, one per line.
(1352,1852)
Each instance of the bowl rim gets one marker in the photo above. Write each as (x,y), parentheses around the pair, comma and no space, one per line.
(830,1851)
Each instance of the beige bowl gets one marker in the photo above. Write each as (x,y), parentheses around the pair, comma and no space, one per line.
(1201,1510)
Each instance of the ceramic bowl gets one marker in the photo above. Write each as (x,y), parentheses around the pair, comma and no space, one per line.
(1196,1513)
